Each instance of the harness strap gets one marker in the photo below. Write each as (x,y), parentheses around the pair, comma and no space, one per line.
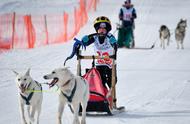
(27,99)
(39,85)
(67,82)
(29,85)
(70,98)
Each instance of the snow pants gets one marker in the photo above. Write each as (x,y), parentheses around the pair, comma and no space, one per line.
(106,74)
(125,37)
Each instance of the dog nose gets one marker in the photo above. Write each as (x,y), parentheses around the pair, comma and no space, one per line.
(22,85)
(45,77)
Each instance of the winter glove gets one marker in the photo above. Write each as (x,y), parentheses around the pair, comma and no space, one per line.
(78,44)
(76,47)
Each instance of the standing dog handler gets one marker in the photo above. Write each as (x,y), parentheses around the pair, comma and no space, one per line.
(127,15)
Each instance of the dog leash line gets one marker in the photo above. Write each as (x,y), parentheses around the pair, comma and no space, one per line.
(45,91)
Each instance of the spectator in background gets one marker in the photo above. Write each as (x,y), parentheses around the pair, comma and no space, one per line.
(127,15)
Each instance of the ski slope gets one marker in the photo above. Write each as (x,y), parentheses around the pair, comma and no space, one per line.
(153,85)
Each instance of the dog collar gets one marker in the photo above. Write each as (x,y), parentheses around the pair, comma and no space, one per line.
(67,82)
(70,98)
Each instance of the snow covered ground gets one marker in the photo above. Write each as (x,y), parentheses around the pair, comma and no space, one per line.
(153,85)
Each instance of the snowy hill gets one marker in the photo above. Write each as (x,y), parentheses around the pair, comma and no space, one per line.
(153,85)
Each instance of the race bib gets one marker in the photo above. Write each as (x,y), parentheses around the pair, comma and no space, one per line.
(104,59)
(104,50)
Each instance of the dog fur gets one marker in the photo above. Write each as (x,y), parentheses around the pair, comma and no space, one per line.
(164,35)
(27,97)
(74,90)
(180,33)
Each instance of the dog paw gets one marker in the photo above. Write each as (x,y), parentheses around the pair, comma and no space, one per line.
(24,122)
(31,120)
(83,122)
(76,121)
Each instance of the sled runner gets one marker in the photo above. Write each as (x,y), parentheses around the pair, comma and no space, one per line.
(102,100)
(126,38)
(143,48)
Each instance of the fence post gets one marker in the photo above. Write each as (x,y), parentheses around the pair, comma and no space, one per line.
(13,31)
(46,29)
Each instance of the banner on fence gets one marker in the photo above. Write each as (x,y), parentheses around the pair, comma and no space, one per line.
(30,31)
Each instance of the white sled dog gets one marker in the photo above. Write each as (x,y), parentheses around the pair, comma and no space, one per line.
(164,35)
(74,90)
(180,33)
(28,98)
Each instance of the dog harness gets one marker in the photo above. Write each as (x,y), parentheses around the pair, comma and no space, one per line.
(70,98)
(27,99)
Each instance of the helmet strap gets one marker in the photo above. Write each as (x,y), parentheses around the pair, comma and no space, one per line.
(101,38)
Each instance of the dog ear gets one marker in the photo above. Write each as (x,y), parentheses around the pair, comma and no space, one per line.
(28,72)
(16,73)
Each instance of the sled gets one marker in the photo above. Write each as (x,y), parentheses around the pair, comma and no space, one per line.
(125,37)
(99,102)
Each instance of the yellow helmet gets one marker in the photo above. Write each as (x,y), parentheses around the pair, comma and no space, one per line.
(102,19)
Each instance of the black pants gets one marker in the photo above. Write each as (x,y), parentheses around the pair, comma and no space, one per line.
(106,75)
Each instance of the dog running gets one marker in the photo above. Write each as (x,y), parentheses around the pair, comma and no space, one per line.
(74,90)
(180,33)
(32,100)
(164,35)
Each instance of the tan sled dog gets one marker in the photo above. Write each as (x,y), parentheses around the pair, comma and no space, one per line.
(164,35)
(27,97)
(180,33)
(74,90)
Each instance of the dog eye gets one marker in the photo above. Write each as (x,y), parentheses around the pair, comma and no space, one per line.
(19,79)
(53,72)
(24,79)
